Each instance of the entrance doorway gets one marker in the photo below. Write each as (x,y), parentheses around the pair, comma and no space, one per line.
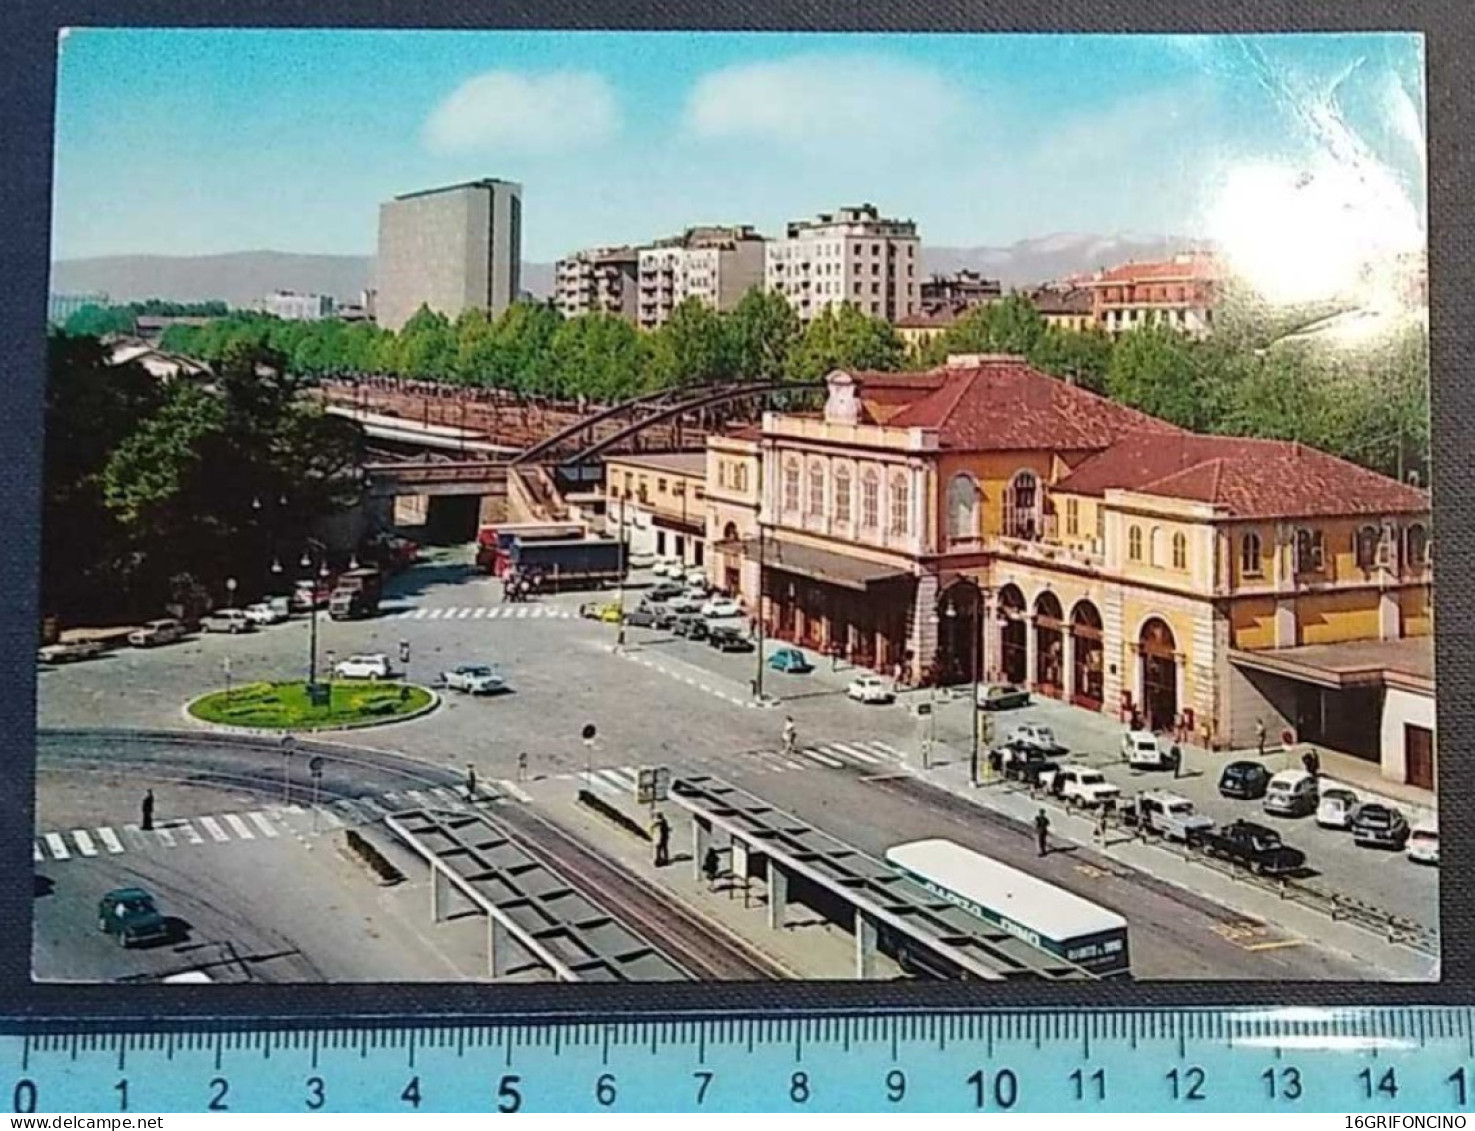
(1159,675)
(1014,636)
(1086,637)
(1418,755)
(1049,645)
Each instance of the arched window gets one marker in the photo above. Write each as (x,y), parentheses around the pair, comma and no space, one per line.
(1021,515)
(816,489)
(962,509)
(791,484)
(1416,545)
(1365,546)
(1155,547)
(1180,551)
(1134,543)
(900,500)
(1249,556)
(870,499)
(842,495)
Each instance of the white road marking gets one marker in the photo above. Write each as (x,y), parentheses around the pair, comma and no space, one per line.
(463,614)
(512,789)
(260,821)
(887,751)
(854,752)
(331,817)
(624,775)
(822,759)
(36,854)
(189,833)
(84,842)
(447,797)
(212,827)
(239,827)
(420,799)
(522,612)
(135,834)
(58,846)
(375,808)
(420,613)
(480,612)
(434,614)
(165,837)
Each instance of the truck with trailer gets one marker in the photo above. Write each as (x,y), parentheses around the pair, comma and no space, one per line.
(494,543)
(582,563)
(356,594)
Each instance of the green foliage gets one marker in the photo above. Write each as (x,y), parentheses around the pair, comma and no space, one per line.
(598,356)
(286,706)
(691,348)
(762,332)
(99,321)
(847,339)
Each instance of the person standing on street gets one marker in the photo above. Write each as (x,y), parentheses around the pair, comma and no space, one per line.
(1042,832)
(148,811)
(404,651)
(470,782)
(791,735)
(1312,762)
(522,766)
(1260,737)
(1101,824)
(661,834)
(1176,753)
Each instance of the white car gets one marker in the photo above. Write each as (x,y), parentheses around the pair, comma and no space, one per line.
(667,567)
(1080,785)
(1142,751)
(1423,843)
(370,665)
(1168,814)
(1034,736)
(642,561)
(475,679)
(696,577)
(68,651)
(720,608)
(1337,809)
(870,689)
(263,613)
(228,620)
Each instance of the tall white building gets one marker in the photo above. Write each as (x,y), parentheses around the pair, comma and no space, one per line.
(598,280)
(298,308)
(853,255)
(717,265)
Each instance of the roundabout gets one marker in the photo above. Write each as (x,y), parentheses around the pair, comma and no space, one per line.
(287,706)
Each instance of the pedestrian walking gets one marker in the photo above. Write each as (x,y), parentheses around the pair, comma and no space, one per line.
(1042,832)
(1176,753)
(522,766)
(1101,824)
(711,865)
(1260,737)
(791,735)
(470,782)
(404,651)
(148,811)
(1312,762)
(661,834)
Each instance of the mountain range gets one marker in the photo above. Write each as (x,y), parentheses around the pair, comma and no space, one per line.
(243,278)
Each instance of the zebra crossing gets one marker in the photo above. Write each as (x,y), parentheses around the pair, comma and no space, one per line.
(260,825)
(483,612)
(867,756)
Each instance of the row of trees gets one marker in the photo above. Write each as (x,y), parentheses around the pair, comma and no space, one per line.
(97,321)
(1251,377)
(148,486)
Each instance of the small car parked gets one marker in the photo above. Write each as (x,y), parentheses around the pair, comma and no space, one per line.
(475,679)
(1423,843)
(68,651)
(1337,809)
(1379,826)
(870,689)
(369,665)
(1291,793)
(1001,697)
(231,621)
(157,632)
(1244,781)
(790,660)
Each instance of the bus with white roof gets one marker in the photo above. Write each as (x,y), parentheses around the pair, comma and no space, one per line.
(1043,915)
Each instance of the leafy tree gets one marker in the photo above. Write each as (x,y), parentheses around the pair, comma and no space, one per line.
(847,339)
(1080,358)
(99,321)
(427,345)
(599,356)
(691,347)
(763,331)
(1166,374)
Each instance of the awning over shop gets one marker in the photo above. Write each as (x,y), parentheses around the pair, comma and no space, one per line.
(1406,663)
(821,565)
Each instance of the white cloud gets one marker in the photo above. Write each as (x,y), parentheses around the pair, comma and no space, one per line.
(854,101)
(530,112)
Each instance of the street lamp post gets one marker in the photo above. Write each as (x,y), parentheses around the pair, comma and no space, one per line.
(624,566)
(758,618)
(976,635)
(308,561)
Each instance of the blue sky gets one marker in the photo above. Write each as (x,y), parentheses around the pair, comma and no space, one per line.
(190,142)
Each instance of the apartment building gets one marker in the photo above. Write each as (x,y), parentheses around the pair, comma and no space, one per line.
(853,255)
(451,249)
(295,307)
(1180,292)
(958,292)
(599,280)
(717,265)
(656,504)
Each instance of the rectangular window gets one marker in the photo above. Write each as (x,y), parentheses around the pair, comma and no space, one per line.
(875,249)
(875,288)
(661,486)
(900,500)
(875,268)
(791,486)
(842,497)
(857,288)
(870,502)
(1072,516)
(1100,524)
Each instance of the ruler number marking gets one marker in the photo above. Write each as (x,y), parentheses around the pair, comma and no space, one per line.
(121,1087)
(1188,1084)
(411,1094)
(1386,1084)
(1457,1078)
(896,1086)
(1005,1088)
(1089,1084)
(799,1088)
(23,1101)
(604,1090)
(509,1098)
(704,1081)
(316,1093)
(220,1088)
(1282,1084)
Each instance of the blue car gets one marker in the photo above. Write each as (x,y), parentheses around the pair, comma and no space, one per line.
(790,660)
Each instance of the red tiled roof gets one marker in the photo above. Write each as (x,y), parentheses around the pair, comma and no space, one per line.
(1003,404)
(1197,267)
(1252,478)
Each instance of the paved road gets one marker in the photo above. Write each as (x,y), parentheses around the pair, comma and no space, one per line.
(662,700)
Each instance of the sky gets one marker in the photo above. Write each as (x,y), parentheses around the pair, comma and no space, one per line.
(184,142)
